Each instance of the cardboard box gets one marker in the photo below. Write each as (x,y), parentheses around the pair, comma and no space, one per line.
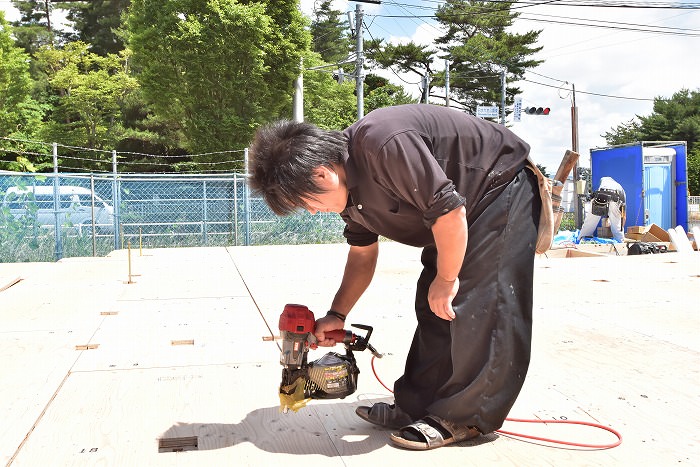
(648,233)
(659,233)
(571,253)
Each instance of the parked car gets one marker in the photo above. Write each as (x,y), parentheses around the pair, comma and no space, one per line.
(75,207)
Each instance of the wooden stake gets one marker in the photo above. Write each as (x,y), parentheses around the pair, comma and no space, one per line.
(130,281)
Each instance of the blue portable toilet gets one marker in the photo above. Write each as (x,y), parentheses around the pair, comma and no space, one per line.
(654,176)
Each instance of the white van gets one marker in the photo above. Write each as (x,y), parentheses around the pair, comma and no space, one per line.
(75,207)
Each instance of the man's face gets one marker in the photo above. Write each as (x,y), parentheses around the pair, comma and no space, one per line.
(335,195)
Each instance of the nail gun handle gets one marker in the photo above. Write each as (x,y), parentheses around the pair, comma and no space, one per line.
(341,336)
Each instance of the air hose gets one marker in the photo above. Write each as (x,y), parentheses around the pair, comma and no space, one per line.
(546,422)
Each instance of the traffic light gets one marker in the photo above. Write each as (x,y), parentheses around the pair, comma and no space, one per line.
(537,110)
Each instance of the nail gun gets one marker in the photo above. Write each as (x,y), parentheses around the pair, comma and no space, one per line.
(333,376)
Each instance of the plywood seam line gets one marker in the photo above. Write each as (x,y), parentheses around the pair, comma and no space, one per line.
(330,438)
(245,284)
(165,299)
(161,367)
(53,397)
(36,422)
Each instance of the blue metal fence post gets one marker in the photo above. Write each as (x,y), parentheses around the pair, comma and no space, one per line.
(93,230)
(235,209)
(204,213)
(115,199)
(246,197)
(57,205)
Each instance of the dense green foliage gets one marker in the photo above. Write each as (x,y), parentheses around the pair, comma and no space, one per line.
(89,92)
(98,23)
(674,119)
(19,112)
(218,68)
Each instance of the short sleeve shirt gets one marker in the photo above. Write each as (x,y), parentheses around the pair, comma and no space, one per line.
(408,165)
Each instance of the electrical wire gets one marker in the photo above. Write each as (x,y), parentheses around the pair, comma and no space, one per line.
(553,19)
(546,422)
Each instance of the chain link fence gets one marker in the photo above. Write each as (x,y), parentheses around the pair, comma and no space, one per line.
(46,217)
(693,211)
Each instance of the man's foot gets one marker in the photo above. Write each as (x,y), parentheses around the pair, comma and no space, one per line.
(383,414)
(432,432)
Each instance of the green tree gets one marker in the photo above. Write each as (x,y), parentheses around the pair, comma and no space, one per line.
(97,23)
(33,30)
(219,68)
(624,133)
(479,49)
(381,93)
(674,119)
(327,103)
(90,93)
(20,114)
(410,57)
(329,33)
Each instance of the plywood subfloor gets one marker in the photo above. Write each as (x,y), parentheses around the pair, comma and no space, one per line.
(98,369)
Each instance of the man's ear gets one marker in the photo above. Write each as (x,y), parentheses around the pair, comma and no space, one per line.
(319,173)
(323,176)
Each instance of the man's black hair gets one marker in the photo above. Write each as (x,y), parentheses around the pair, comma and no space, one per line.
(283,156)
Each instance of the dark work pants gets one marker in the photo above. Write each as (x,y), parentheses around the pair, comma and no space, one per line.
(470,370)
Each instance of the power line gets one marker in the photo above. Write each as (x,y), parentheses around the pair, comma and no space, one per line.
(589,93)
(554,19)
(620,26)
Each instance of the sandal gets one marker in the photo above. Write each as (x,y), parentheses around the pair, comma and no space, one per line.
(432,432)
(383,414)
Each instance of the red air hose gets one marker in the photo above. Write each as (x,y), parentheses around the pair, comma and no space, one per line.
(548,440)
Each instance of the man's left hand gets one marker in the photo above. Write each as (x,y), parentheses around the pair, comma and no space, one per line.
(440,296)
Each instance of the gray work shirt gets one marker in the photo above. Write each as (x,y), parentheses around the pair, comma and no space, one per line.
(408,165)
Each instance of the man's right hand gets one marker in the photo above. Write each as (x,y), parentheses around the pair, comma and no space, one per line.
(327,323)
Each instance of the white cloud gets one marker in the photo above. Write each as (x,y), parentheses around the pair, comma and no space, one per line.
(603,61)
(11,13)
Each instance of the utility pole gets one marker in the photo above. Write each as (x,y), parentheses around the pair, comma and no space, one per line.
(298,100)
(447,83)
(360,63)
(503,96)
(574,147)
(426,87)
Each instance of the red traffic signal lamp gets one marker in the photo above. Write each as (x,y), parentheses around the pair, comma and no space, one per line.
(537,110)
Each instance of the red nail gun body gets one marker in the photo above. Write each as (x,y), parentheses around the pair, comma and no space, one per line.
(333,376)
